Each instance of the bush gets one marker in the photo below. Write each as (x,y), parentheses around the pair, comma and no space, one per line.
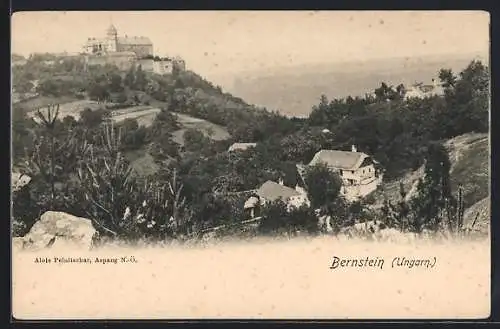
(277,219)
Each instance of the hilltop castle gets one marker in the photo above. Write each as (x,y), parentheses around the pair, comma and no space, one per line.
(126,51)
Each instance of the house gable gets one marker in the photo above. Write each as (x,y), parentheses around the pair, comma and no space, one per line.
(272,191)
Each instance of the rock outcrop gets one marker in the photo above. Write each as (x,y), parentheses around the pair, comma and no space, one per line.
(61,230)
(477,218)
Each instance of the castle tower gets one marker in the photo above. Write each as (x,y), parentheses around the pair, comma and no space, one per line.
(112,39)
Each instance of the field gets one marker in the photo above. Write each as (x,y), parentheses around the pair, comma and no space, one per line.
(68,108)
(216,132)
(145,115)
(42,101)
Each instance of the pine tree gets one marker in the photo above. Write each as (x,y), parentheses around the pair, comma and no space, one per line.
(433,201)
(140,79)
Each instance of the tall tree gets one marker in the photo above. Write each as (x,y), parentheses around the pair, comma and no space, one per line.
(140,79)
(323,185)
(433,191)
(129,80)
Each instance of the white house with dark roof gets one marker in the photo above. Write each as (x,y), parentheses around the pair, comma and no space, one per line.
(357,170)
(419,90)
(241,146)
(271,191)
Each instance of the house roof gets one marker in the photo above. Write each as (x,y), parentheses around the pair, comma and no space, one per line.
(241,146)
(134,41)
(251,202)
(273,191)
(339,159)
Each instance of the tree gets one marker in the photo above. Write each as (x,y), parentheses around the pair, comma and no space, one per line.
(385,92)
(92,119)
(303,219)
(447,78)
(140,82)
(49,87)
(195,140)
(24,86)
(115,83)
(56,150)
(129,80)
(433,195)
(98,92)
(323,185)
(274,218)
(117,201)
(121,97)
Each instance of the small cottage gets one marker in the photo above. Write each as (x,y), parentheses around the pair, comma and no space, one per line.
(241,146)
(357,170)
(271,191)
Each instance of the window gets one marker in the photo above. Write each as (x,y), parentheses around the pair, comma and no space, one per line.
(352,172)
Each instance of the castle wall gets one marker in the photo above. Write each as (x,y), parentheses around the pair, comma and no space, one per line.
(146,64)
(140,50)
(163,67)
(122,62)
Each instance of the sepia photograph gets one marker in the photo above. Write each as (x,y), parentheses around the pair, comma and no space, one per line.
(324,165)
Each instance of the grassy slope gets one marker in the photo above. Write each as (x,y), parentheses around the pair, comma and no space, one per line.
(469,156)
(42,101)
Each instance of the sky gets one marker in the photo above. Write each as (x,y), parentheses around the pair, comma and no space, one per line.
(219,43)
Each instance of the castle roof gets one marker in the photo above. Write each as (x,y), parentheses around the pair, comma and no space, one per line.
(111,30)
(135,41)
(339,159)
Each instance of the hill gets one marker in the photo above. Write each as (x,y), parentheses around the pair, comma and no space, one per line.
(469,157)
(295,89)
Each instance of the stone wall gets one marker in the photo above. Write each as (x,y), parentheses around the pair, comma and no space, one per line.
(147,65)
(122,62)
(139,50)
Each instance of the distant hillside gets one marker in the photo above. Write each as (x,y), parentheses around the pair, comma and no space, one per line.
(294,90)
(16,57)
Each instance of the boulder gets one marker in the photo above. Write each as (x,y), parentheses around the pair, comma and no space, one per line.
(62,230)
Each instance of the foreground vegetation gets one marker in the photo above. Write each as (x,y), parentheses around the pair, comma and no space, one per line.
(81,167)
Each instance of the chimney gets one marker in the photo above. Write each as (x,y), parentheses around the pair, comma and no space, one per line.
(353,148)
